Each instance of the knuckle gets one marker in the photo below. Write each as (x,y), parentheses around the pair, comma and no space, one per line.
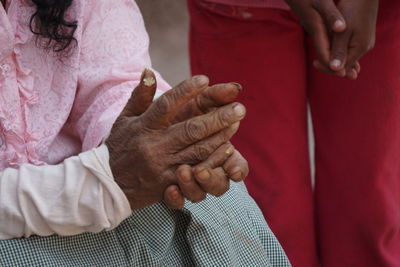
(196,154)
(222,118)
(184,86)
(145,150)
(163,105)
(202,152)
(194,129)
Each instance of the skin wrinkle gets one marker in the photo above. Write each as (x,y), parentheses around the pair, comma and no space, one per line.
(195,140)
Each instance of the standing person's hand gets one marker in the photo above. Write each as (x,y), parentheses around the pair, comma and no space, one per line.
(146,150)
(321,19)
(358,38)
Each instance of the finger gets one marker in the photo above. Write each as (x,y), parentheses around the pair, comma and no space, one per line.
(173,197)
(188,184)
(201,151)
(236,167)
(320,38)
(318,65)
(340,44)
(198,128)
(142,96)
(213,181)
(315,27)
(214,96)
(331,15)
(163,111)
(217,158)
(354,55)
(352,74)
(357,66)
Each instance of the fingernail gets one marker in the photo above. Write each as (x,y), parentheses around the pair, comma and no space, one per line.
(239,110)
(143,73)
(147,79)
(229,151)
(237,176)
(336,63)
(339,24)
(238,86)
(185,176)
(200,80)
(354,74)
(175,194)
(204,175)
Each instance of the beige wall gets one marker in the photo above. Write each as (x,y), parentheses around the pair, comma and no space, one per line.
(167,24)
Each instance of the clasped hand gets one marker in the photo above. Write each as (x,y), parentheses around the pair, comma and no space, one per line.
(178,146)
(342,32)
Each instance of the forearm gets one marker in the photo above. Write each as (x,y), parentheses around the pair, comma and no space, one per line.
(70,198)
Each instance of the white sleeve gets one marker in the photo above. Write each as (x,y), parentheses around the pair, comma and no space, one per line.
(70,198)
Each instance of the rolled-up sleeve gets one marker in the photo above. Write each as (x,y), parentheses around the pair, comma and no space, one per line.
(78,195)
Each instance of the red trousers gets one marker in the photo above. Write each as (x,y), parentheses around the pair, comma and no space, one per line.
(352,218)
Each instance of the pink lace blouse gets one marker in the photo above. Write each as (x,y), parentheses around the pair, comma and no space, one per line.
(54,106)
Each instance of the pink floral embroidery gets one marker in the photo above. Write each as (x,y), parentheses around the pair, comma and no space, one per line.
(53,107)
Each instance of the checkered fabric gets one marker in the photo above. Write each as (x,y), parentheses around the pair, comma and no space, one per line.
(225,231)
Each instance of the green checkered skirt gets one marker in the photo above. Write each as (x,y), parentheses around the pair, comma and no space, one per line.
(225,231)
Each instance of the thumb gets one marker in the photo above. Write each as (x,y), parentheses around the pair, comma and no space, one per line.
(142,96)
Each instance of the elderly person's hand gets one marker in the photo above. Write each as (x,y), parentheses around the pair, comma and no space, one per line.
(146,150)
(214,174)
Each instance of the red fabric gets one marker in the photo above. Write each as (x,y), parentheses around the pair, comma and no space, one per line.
(357,127)
(253,3)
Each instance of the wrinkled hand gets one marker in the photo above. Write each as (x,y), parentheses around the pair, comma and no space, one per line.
(213,175)
(225,164)
(358,38)
(145,150)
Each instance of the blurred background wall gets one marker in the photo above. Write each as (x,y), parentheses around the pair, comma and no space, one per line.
(167,24)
